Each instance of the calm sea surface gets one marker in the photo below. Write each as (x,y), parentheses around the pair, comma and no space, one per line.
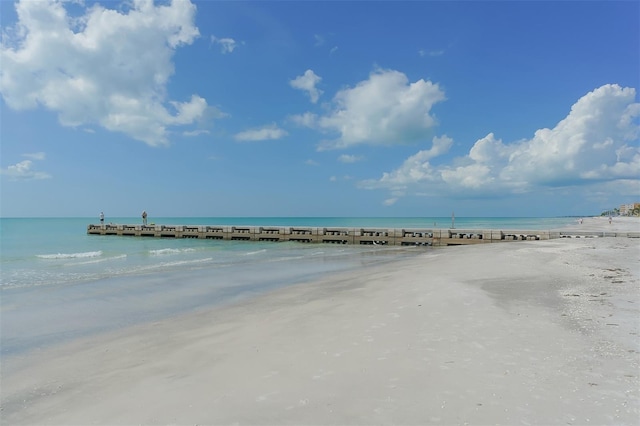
(58,283)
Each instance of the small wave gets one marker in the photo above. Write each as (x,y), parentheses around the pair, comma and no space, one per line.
(26,278)
(286,258)
(106,259)
(176,263)
(251,253)
(167,251)
(70,255)
(189,262)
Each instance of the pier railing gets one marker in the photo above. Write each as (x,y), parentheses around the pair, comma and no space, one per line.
(373,236)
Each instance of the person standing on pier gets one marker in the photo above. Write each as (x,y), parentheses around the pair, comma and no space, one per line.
(144,217)
(101,218)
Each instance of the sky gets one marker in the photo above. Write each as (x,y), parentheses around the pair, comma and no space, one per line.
(302,108)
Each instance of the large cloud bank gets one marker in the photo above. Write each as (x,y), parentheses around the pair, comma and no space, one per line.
(105,67)
(596,142)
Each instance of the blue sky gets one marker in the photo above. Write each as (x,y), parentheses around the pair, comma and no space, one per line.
(319,108)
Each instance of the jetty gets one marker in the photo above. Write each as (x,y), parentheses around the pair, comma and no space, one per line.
(339,235)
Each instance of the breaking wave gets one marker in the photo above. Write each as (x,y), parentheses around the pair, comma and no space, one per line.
(71,255)
(168,251)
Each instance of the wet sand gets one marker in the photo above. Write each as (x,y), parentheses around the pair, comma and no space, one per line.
(527,332)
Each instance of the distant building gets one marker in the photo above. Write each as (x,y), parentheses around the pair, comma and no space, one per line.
(628,209)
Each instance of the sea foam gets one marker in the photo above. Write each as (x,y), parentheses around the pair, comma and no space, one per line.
(168,251)
(70,255)
(105,259)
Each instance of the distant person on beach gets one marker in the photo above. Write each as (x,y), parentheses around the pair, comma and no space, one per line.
(610,219)
(101,217)
(144,217)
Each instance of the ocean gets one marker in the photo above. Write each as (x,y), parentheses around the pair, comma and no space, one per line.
(57,283)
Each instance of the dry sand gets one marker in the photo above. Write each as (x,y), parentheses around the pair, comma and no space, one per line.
(529,332)
(601,223)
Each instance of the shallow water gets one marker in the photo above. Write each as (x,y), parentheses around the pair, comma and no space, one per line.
(58,283)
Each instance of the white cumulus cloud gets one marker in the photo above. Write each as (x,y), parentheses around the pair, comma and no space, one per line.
(597,142)
(227,45)
(24,170)
(105,67)
(264,133)
(307,119)
(415,169)
(385,109)
(307,82)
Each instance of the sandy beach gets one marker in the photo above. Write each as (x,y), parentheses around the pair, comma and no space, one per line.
(527,332)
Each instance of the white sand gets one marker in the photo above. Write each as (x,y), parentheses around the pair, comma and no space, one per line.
(601,223)
(529,332)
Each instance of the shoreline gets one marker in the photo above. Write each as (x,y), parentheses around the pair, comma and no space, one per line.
(538,332)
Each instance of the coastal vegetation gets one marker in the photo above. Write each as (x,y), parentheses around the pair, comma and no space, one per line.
(632,209)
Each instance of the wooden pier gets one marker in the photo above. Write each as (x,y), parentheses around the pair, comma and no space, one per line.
(328,235)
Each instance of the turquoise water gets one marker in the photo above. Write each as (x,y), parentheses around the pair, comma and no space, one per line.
(58,283)
(44,252)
